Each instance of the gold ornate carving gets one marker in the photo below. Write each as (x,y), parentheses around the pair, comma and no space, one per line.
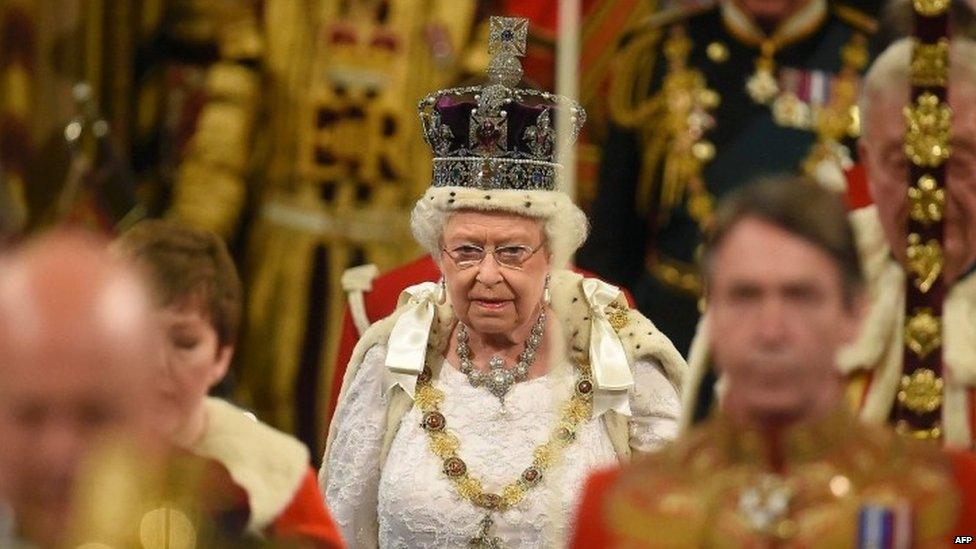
(930,63)
(923,332)
(925,261)
(931,8)
(921,392)
(926,201)
(927,140)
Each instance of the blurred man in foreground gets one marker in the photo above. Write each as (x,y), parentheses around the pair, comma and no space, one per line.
(75,353)
(81,459)
(782,460)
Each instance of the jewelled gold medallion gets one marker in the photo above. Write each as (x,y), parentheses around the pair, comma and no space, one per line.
(762,86)
(791,112)
(925,261)
(921,392)
(455,467)
(923,332)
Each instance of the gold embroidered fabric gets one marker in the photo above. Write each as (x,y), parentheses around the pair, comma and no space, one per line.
(707,489)
(321,140)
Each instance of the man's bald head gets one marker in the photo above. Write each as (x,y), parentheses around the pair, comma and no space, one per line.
(78,361)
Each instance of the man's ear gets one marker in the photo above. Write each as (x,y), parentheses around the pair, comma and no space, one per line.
(224,355)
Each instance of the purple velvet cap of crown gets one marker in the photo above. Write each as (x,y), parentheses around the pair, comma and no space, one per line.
(495,137)
(456,114)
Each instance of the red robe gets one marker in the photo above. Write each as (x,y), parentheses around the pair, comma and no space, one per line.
(272,470)
(306,521)
(858,194)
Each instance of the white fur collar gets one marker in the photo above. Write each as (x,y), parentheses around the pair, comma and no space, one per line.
(268,464)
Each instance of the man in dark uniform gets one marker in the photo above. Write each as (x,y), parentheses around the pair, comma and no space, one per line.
(705,97)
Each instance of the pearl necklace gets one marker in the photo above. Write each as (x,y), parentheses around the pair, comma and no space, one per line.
(499,380)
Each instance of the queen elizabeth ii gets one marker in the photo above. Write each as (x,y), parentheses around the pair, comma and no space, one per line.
(472,415)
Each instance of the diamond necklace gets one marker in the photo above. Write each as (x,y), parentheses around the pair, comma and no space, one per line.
(499,379)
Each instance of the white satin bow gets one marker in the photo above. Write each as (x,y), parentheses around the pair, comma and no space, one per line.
(608,360)
(407,346)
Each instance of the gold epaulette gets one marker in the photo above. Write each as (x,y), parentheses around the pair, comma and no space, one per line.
(856,18)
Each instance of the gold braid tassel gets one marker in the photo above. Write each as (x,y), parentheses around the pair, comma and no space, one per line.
(633,68)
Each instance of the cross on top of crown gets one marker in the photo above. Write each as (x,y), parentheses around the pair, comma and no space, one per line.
(507,35)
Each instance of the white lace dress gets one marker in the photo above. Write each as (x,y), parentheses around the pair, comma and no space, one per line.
(415,503)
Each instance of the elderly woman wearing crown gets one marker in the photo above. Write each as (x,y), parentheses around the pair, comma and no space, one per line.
(473,414)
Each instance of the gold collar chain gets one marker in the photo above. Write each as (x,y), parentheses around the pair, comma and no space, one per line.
(445,445)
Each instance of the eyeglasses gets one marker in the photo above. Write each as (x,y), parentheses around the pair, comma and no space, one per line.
(512,257)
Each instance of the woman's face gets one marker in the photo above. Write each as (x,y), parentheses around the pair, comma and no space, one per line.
(489,297)
(195,361)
